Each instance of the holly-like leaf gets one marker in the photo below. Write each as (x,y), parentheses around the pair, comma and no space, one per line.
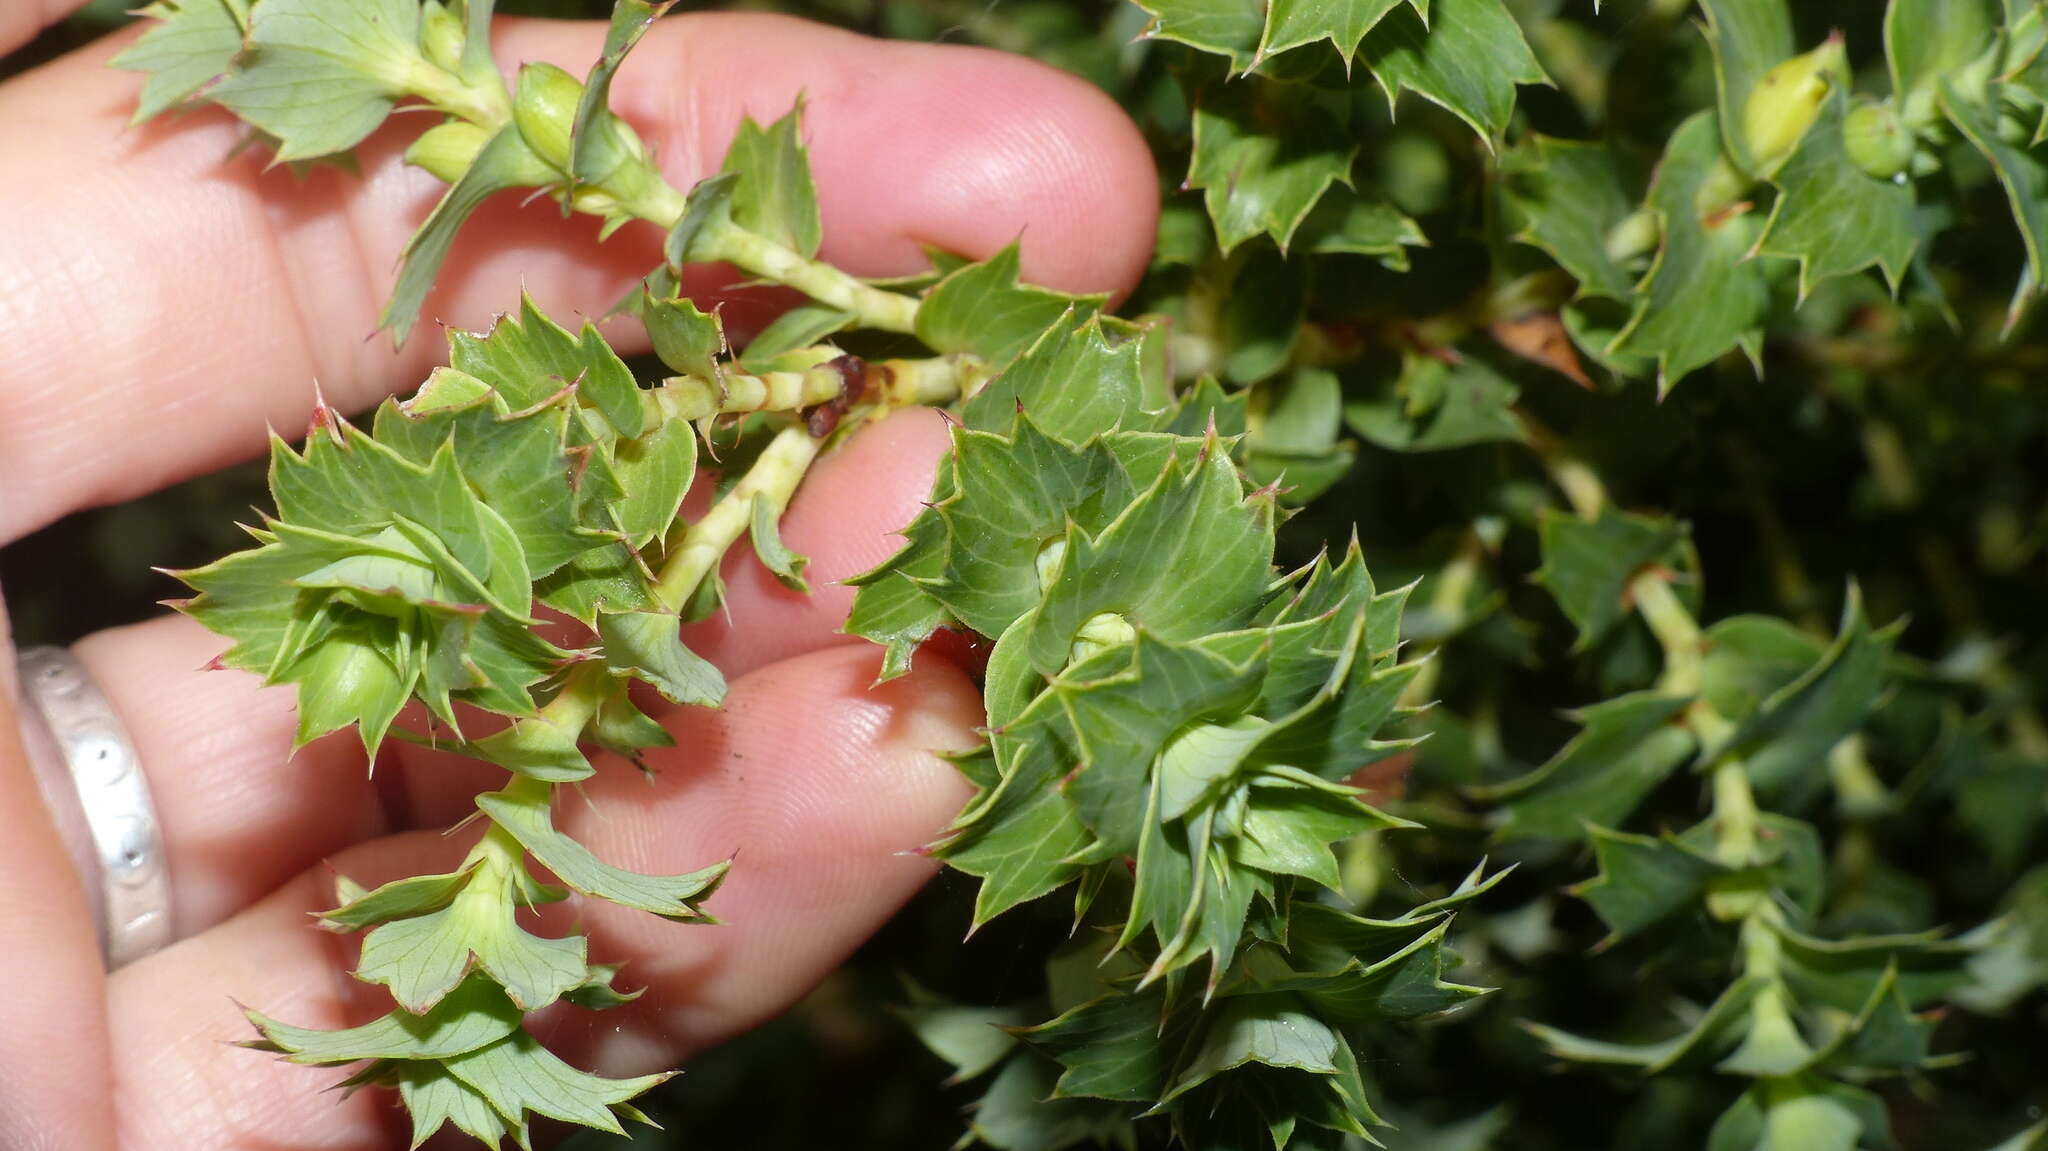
(517,1076)
(435,1098)
(983,310)
(1833,217)
(530,358)
(1117,1047)
(2024,175)
(1703,296)
(320,75)
(775,196)
(1344,222)
(972,1039)
(1436,404)
(1927,39)
(1626,748)
(800,327)
(474,1015)
(1294,23)
(600,144)
(1264,153)
(413,895)
(1710,1034)
(1467,58)
(1079,379)
(190,45)
(1587,564)
(525,815)
(1784,737)
(1190,556)
(422,958)
(504,163)
(1567,198)
(1644,880)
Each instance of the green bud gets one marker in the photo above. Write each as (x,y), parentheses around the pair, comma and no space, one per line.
(441,36)
(447,150)
(545,110)
(1876,141)
(1787,100)
(1636,235)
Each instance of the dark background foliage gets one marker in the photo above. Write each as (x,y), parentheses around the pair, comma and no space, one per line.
(1881,444)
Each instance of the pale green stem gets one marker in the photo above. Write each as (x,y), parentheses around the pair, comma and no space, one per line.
(1676,631)
(775,474)
(821,282)
(885,383)
(1858,792)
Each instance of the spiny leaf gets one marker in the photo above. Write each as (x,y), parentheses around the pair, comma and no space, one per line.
(191,44)
(320,75)
(1833,217)
(1080,378)
(1293,23)
(1567,198)
(775,197)
(1264,153)
(1644,880)
(783,564)
(2024,175)
(530,358)
(1712,1033)
(517,1075)
(1749,38)
(1436,403)
(525,815)
(504,163)
(422,958)
(1467,58)
(472,1016)
(600,144)
(983,310)
(1704,296)
(1627,746)
(1587,564)
(1344,222)
(648,646)
(434,1098)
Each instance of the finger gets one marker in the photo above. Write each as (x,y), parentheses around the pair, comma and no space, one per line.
(823,782)
(53,1041)
(169,303)
(241,813)
(846,518)
(20,20)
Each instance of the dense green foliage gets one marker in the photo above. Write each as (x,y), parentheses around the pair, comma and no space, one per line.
(1685,364)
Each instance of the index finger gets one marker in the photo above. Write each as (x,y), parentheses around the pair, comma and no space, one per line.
(165,306)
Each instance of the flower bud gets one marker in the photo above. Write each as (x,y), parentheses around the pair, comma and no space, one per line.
(447,150)
(545,110)
(1786,101)
(1876,141)
(441,36)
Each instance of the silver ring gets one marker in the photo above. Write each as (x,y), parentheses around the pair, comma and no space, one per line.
(106,819)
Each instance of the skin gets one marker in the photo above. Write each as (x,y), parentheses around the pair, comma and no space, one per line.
(168,303)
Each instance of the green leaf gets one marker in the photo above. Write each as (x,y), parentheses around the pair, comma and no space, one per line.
(1293,23)
(1749,38)
(1229,28)
(1711,1033)
(1407,984)
(1116,1047)
(517,1075)
(1264,153)
(1703,296)
(191,44)
(1833,217)
(1346,223)
(1644,880)
(1467,58)
(783,564)
(1019,838)
(525,814)
(600,144)
(529,359)
(434,1098)
(422,958)
(1077,381)
(972,1039)
(1022,1112)
(687,340)
(1273,1030)
(1587,564)
(1784,739)
(504,163)
(982,309)
(1013,497)
(472,1016)
(320,75)
(2024,175)
(1437,405)
(1927,39)
(1190,556)
(412,895)
(800,327)
(648,646)
(1626,747)
(1566,198)
(775,197)
(1263,315)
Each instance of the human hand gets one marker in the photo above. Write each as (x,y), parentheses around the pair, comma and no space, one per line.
(161,306)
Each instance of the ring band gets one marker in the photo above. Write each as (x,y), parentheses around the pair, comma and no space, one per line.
(71,720)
